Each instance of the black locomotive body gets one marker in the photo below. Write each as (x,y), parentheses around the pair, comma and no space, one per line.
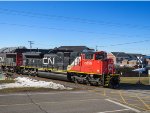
(23,60)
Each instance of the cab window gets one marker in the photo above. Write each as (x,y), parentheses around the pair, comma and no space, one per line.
(88,56)
(99,56)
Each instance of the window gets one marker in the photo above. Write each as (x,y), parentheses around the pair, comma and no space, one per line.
(14,59)
(99,57)
(88,56)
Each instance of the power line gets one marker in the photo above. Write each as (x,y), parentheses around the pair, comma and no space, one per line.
(73,30)
(125,43)
(81,20)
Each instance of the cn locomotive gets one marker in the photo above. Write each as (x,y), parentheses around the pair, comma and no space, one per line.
(86,66)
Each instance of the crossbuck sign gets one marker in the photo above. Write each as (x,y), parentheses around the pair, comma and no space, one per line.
(140,59)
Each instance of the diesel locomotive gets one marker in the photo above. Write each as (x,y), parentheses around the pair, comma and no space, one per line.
(87,66)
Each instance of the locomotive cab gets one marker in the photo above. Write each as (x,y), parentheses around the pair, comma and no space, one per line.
(94,55)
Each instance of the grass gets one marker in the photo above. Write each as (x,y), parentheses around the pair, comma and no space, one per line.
(134,80)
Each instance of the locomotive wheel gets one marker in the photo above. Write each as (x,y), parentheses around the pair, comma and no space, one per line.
(69,77)
(114,83)
(98,84)
(88,82)
(76,80)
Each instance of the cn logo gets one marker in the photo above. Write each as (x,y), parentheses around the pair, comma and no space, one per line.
(88,63)
(49,60)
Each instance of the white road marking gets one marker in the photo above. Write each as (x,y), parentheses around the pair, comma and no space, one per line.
(133,109)
(114,111)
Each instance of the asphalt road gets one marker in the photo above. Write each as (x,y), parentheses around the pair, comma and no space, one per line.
(136,96)
(61,102)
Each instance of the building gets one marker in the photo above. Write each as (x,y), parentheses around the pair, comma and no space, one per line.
(147,60)
(118,57)
(75,48)
(125,59)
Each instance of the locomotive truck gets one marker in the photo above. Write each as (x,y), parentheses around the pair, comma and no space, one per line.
(89,67)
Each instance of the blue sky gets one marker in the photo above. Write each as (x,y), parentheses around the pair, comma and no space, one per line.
(112,26)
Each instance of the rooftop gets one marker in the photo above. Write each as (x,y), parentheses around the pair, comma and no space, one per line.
(75,48)
(10,49)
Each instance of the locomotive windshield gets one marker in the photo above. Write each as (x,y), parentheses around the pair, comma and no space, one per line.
(89,55)
(99,56)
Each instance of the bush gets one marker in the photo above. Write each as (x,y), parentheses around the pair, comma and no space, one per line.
(127,72)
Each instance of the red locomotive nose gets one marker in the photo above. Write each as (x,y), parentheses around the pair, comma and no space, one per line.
(110,66)
(93,68)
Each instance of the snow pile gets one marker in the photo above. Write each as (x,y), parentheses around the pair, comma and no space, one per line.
(28,82)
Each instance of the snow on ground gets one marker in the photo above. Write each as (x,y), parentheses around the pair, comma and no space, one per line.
(28,82)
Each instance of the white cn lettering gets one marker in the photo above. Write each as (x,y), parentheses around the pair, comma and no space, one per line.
(88,63)
(48,60)
(1,59)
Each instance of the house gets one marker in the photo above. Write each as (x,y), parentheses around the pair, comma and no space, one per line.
(124,59)
(124,62)
(147,60)
(118,57)
(134,56)
(132,63)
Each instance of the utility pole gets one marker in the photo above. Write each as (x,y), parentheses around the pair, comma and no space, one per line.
(30,42)
(96,48)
